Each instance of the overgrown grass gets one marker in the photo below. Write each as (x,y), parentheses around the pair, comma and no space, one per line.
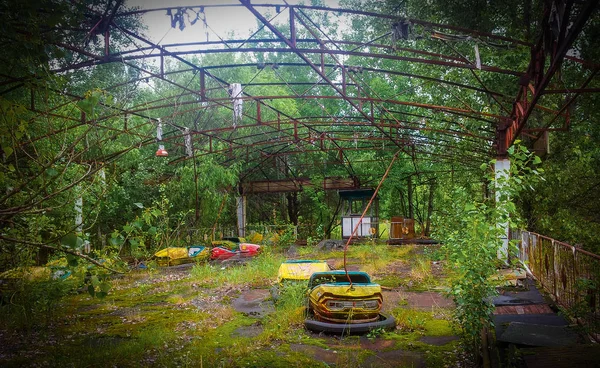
(425,322)
(420,273)
(157,318)
(27,304)
(259,272)
(290,312)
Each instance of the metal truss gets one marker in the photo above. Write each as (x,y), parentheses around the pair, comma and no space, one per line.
(465,119)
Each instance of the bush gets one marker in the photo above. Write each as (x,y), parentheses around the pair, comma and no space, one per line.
(30,304)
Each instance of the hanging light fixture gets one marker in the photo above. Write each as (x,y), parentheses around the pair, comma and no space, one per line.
(161,151)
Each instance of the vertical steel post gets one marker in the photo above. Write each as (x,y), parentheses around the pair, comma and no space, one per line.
(162,64)
(344,81)
(322,47)
(292,26)
(202,85)
(258,115)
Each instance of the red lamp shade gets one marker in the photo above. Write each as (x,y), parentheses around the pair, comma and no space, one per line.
(161,152)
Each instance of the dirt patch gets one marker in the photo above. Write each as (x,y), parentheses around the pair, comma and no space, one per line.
(399,267)
(392,299)
(395,358)
(186,267)
(324,355)
(437,270)
(425,300)
(331,244)
(376,344)
(254,302)
(352,264)
(208,298)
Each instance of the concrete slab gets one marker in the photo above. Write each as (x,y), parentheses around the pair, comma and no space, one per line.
(502,300)
(502,321)
(581,356)
(376,344)
(254,303)
(524,309)
(422,300)
(327,356)
(395,358)
(538,335)
(531,293)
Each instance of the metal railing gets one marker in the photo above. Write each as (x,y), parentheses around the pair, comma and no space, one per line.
(569,274)
(205,234)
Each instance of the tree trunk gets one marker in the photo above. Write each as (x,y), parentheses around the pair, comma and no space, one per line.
(403,207)
(333,218)
(292,207)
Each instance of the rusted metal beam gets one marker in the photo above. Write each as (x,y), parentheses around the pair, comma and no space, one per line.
(305,140)
(471,160)
(356,12)
(253,65)
(437,108)
(295,185)
(564,108)
(358,45)
(319,51)
(524,104)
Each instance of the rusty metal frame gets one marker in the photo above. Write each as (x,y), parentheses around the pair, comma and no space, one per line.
(534,83)
(386,116)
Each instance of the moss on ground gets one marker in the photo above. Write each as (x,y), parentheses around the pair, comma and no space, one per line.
(186,318)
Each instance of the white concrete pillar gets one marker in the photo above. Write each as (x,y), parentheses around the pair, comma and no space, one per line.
(241,215)
(502,169)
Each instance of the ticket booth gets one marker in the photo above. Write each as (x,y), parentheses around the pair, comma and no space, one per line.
(354,203)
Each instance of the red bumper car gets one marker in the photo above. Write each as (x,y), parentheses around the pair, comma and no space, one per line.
(242,250)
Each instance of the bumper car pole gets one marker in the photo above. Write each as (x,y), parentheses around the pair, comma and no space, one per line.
(365,212)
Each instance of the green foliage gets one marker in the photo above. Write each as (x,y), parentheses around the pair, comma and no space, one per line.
(434,253)
(174,319)
(26,304)
(151,230)
(258,273)
(472,233)
(582,309)
(376,332)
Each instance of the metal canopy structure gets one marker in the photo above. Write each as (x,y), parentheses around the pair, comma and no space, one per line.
(307,89)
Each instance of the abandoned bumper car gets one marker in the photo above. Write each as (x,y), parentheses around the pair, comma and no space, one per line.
(233,248)
(173,256)
(225,249)
(299,270)
(345,303)
(296,271)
